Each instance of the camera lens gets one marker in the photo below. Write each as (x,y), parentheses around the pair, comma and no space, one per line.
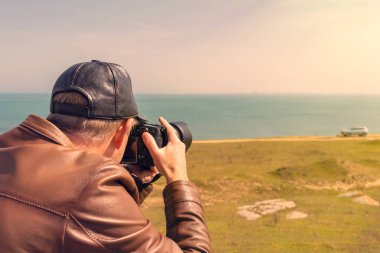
(183,132)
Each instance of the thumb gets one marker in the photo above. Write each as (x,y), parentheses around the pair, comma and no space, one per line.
(151,144)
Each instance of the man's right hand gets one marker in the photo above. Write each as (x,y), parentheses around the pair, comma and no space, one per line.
(171,159)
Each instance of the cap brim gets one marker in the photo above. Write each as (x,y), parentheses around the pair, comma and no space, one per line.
(141,118)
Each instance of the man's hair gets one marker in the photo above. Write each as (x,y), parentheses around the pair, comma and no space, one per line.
(80,126)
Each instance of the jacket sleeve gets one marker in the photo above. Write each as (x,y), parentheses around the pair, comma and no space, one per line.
(106,218)
(185,223)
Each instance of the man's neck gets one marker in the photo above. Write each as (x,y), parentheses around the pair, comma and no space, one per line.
(90,145)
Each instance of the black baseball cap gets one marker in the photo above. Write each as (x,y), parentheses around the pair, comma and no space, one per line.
(107,87)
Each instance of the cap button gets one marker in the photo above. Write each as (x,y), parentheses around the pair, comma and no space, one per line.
(95,61)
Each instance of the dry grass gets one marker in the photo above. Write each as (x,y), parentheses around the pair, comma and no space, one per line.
(311,173)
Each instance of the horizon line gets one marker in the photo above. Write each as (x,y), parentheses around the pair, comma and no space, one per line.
(216,93)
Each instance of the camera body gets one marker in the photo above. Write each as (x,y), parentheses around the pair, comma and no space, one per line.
(137,153)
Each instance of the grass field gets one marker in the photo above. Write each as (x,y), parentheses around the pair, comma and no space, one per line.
(310,173)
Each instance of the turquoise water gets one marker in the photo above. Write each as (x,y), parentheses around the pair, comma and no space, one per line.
(233,116)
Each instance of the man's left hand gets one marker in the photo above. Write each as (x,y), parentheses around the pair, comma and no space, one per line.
(145,175)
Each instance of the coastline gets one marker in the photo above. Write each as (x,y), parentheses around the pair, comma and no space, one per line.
(292,138)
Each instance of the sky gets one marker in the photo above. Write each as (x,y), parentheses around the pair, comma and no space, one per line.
(196,46)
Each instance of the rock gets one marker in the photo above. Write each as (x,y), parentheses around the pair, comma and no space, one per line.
(366,200)
(248,214)
(261,208)
(360,198)
(295,215)
(350,194)
(372,184)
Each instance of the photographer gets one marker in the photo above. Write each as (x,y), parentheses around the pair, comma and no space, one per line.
(62,188)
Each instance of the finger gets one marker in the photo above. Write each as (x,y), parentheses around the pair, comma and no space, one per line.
(151,144)
(172,135)
(154,170)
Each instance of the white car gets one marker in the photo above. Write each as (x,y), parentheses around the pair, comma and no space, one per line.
(359,131)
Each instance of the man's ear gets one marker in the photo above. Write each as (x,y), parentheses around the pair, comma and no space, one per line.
(121,135)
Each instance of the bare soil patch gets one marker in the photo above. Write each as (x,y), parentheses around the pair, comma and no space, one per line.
(359,197)
(366,200)
(265,207)
(295,215)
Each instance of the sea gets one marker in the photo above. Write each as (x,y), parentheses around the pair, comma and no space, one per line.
(216,117)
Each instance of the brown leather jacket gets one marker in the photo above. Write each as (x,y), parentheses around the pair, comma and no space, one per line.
(55,198)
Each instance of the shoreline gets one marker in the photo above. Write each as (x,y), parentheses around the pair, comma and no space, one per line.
(292,138)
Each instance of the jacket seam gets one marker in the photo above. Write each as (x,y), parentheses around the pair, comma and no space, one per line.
(181,201)
(25,126)
(33,204)
(64,236)
(89,233)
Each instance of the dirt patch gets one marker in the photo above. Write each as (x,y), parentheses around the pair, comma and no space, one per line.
(372,184)
(262,208)
(295,215)
(350,194)
(341,185)
(366,200)
(359,197)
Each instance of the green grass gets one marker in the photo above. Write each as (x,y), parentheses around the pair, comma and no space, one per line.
(310,173)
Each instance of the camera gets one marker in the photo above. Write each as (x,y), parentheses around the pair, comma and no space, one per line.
(136,151)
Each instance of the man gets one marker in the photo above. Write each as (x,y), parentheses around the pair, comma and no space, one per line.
(62,188)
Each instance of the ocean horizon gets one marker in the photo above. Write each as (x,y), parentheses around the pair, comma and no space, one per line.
(231,116)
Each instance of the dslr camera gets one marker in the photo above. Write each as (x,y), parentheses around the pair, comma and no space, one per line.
(136,151)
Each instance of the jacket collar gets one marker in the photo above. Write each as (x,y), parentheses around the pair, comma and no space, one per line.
(45,128)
